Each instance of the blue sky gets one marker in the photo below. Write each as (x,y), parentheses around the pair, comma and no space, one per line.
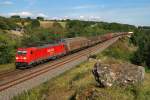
(136,12)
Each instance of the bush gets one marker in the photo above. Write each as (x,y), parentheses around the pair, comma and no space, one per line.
(7,49)
(142,55)
(40,18)
(7,24)
(3,25)
(120,50)
(15,16)
(35,24)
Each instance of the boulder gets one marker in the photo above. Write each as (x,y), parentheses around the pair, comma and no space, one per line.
(122,74)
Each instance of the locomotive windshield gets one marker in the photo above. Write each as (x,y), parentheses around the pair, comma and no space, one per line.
(21,52)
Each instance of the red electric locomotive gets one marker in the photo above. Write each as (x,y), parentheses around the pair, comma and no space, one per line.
(32,55)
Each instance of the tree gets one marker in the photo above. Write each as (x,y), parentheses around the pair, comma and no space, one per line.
(15,16)
(3,25)
(28,18)
(40,18)
(7,49)
(142,55)
(75,28)
(30,40)
(35,24)
(57,31)
(12,24)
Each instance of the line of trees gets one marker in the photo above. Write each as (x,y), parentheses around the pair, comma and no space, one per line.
(87,28)
(7,24)
(142,40)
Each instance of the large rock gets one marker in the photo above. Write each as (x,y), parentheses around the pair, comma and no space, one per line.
(118,74)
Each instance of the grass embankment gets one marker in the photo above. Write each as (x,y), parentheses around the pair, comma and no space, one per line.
(79,84)
(122,50)
(7,67)
(48,24)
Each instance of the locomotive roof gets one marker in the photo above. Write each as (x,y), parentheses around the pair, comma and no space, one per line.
(42,45)
(47,45)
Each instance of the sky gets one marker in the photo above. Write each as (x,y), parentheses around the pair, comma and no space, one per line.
(135,12)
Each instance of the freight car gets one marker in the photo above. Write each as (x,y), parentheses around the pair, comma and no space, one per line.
(74,44)
(26,57)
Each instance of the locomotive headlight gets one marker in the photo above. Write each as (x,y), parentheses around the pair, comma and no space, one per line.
(24,58)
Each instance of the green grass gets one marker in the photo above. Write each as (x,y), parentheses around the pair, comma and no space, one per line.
(79,84)
(63,24)
(121,50)
(6,67)
(64,86)
(147,69)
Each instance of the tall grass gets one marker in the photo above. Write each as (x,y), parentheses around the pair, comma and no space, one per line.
(120,50)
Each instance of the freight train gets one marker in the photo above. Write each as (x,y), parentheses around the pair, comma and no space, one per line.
(30,56)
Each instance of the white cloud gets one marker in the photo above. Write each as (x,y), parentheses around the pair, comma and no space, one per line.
(130,15)
(81,17)
(85,7)
(92,18)
(6,3)
(23,14)
(42,15)
(31,2)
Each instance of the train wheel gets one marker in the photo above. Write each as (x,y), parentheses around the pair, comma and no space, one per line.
(17,67)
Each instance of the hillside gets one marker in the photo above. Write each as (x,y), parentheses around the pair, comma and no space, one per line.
(26,31)
(49,24)
(79,84)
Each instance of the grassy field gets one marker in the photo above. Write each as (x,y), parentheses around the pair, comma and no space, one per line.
(48,24)
(79,83)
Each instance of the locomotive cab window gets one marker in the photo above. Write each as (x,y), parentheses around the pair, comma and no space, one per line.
(21,52)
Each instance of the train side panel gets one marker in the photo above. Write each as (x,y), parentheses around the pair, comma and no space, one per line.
(47,52)
(59,50)
(77,43)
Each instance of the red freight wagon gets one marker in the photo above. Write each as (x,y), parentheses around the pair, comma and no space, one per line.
(33,55)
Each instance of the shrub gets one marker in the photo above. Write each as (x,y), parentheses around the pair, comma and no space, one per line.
(142,55)
(7,49)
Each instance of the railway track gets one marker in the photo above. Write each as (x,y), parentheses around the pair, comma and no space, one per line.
(4,72)
(10,81)
(13,73)
(9,73)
